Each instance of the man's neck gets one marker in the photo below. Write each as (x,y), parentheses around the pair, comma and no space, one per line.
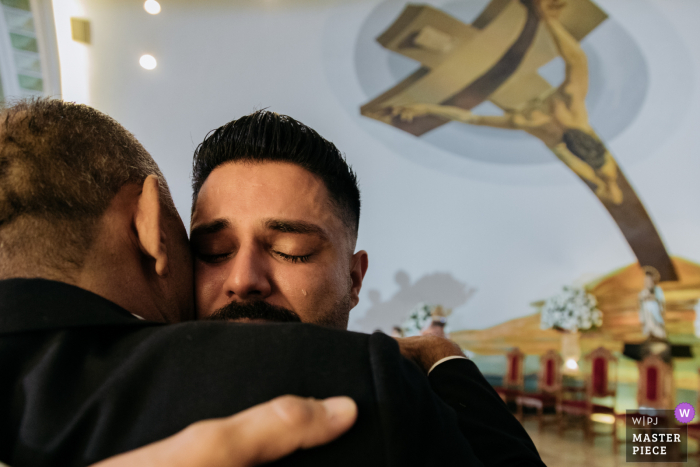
(124,286)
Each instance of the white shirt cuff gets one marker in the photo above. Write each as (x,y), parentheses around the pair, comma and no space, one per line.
(444,360)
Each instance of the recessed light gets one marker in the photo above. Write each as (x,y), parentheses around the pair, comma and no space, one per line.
(152,7)
(148,61)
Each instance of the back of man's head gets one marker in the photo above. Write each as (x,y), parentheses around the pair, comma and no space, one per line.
(265,136)
(60,166)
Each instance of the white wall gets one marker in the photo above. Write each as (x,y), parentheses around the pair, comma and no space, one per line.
(515,233)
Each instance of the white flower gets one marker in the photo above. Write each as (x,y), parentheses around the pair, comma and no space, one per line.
(571,309)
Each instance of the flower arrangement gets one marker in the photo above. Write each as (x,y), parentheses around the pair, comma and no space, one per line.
(421,316)
(418,318)
(571,310)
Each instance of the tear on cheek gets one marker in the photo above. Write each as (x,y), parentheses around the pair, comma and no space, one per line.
(304,292)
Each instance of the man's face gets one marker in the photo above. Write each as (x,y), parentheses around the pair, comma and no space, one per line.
(268,244)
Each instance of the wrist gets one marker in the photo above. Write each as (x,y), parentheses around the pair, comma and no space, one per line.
(426,351)
(442,360)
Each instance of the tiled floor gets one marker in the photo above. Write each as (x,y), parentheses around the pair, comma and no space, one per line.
(572,451)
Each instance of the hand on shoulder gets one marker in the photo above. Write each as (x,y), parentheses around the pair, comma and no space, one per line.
(255,436)
(426,351)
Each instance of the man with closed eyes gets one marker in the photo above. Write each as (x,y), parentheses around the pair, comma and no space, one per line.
(275,218)
(89,238)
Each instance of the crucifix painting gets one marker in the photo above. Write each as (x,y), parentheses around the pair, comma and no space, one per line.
(496,58)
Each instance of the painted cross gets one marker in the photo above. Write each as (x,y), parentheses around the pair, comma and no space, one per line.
(497,58)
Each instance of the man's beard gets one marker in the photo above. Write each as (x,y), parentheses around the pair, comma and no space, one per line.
(255,310)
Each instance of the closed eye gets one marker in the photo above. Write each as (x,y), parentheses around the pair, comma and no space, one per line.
(292,258)
(213,258)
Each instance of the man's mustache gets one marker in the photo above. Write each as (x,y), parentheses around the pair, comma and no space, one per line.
(255,310)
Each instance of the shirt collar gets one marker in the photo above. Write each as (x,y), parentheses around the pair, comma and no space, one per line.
(40,304)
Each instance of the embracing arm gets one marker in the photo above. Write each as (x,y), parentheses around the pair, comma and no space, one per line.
(259,435)
(255,436)
(483,417)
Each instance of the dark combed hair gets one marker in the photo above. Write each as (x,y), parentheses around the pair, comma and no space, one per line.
(269,137)
(61,164)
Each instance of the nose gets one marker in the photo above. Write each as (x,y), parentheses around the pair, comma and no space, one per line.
(248,277)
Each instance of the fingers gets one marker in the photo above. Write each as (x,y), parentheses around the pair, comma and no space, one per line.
(289,423)
(258,435)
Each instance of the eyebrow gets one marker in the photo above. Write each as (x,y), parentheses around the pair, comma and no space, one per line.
(212,227)
(295,227)
(278,225)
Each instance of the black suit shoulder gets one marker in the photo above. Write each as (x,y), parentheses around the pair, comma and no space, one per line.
(77,395)
(496,436)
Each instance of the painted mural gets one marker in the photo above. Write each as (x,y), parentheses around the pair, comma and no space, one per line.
(496,58)
(640,309)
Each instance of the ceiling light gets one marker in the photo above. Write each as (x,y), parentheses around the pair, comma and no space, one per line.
(152,7)
(148,61)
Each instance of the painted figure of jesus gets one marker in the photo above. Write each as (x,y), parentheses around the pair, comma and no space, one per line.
(559,118)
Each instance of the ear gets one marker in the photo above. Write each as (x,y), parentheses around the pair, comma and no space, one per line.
(358,267)
(148,224)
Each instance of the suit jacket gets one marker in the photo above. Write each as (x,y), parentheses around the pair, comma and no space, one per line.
(82,380)
(496,436)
